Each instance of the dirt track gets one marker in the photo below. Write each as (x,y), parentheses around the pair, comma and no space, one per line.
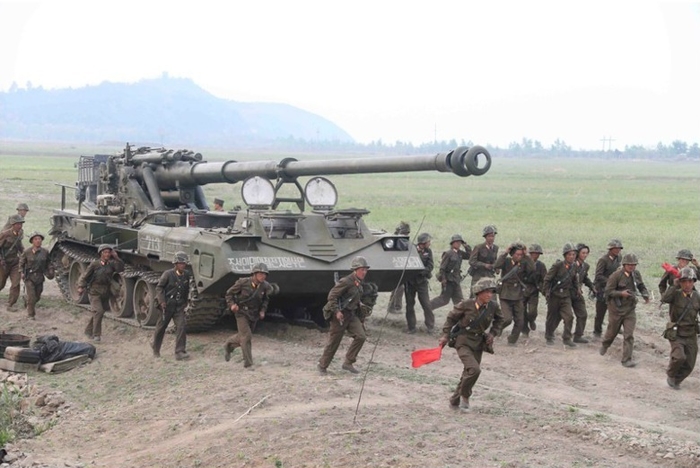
(533,405)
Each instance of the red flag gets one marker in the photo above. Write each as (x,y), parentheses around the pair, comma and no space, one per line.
(426,356)
(671,269)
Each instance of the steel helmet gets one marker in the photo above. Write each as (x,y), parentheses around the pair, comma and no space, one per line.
(424,237)
(483,284)
(684,254)
(689,273)
(403,229)
(490,229)
(260,268)
(457,238)
(14,219)
(568,247)
(181,257)
(358,262)
(22,207)
(103,247)
(34,234)
(535,248)
(615,244)
(629,259)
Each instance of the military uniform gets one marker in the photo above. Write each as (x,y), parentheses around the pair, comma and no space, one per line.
(470,342)
(10,251)
(512,292)
(578,300)
(621,310)
(605,267)
(252,300)
(97,279)
(560,284)
(481,258)
(419,286)
(667,279)
(534,285)
(451,273)
(684,349)
(173,291)
(21,207)
(346,293)
(396,297)
(34,264)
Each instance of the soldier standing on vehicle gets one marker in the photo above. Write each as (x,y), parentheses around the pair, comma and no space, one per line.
(450,274)
(534,285)
(684,307)
(684,259)
(173,291)
(465,330)
(578,301)
(34,265)
(97,280)
(606,266)
(396,298)
(483,257)
(515,266)
(10,250)
(218,204)
(247,299)
(22,210)
(419,286)
(621,292)
(343,309)
(560,285)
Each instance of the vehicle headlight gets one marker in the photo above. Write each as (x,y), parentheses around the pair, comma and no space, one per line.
(388,244)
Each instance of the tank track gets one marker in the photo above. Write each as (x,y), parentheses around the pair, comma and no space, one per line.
(202,312)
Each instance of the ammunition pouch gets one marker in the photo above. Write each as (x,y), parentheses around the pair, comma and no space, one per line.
(671,331)
(364,312)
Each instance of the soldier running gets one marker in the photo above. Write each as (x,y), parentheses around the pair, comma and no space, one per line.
(173,292)
(515,266)
(22,210)
(683,259)
(34,265)
(247,299)
(396,298)
(560,285)
(534,285)
(578,301)
(10,250)
(606,266)
(621,292)
(483,257)
(419,286)
(450,274)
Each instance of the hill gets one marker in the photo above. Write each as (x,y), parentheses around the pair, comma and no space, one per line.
(162,111)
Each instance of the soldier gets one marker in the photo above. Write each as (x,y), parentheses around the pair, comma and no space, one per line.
(473,318)
(684,307)
(684,259)
(419,285)
(450,274)
(10,250)
(560,284)
(515,266)
(22,210)
(483,257)
(606,266)
(395,299)
(247,299)
(343,309)
(218,204)
(578,300)
(34,265)
(534,285)
(621,294)
(173,292)
(97,279)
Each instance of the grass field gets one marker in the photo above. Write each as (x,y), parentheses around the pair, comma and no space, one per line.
(652,206)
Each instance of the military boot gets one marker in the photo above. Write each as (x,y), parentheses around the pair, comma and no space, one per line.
(629,363)
(672,383)
(350,368)
(580,339)
(464,404)
(569,344)
(603,350)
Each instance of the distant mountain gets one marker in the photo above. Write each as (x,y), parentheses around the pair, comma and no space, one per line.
(169,110)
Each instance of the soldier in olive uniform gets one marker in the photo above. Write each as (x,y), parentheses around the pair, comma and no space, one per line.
(606,266)
(97,279)
(473,317)
(515,266)
(534,285)
(684,259)
(173,292)
(684,307)
(343,309)
(560,285)
(396,298)
(419,286)
(621,292)
(218,204)
(578,300)
(10,250)
(22,210)
(247,299)
(34,265)
(450,274)
(483,257)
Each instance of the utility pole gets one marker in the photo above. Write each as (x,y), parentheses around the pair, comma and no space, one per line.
(609,140)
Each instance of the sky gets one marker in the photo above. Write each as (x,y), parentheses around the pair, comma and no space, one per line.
(490,72)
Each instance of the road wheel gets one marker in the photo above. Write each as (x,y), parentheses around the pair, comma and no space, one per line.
(74,273)
(121,300)
(145,303)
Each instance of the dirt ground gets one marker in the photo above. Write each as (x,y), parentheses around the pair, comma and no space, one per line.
(533,405)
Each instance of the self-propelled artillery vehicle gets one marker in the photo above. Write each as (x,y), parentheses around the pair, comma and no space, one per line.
(149,204)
